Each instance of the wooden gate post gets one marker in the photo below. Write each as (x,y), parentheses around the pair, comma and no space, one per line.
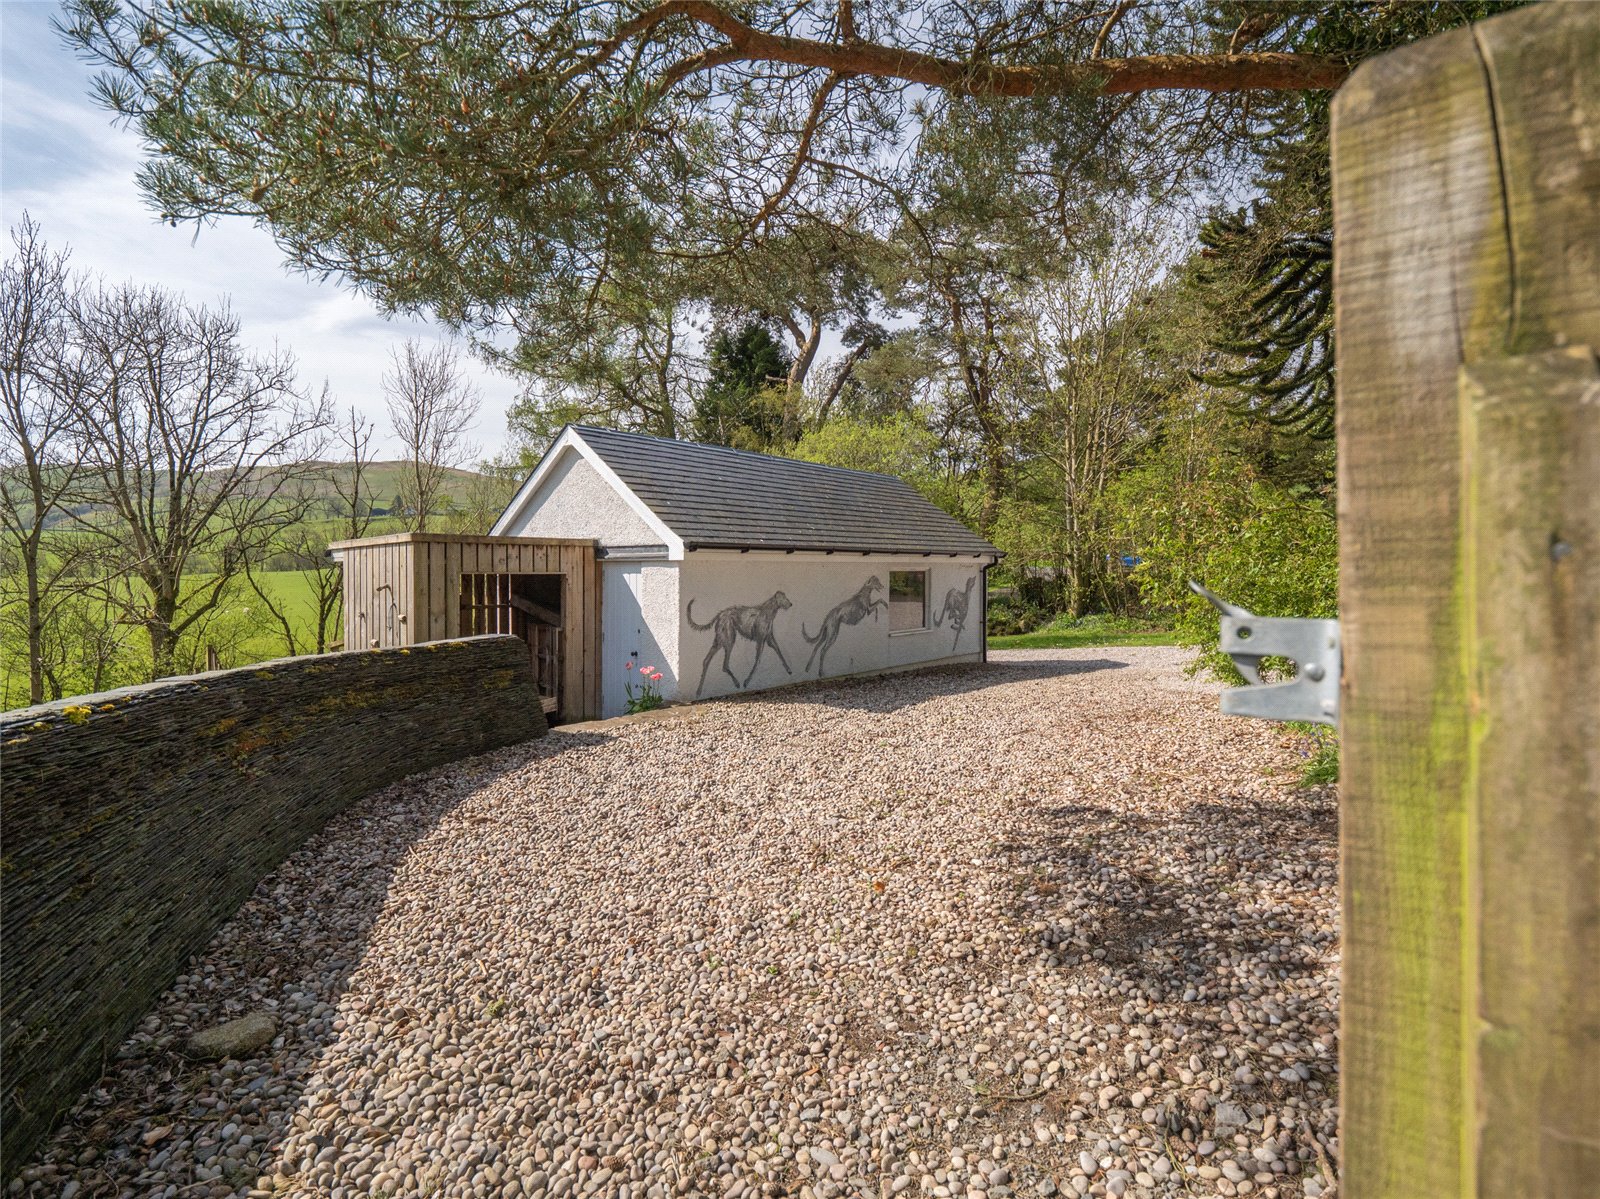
(1467,293)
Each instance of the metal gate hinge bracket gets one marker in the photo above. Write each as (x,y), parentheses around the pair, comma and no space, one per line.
(1311,644)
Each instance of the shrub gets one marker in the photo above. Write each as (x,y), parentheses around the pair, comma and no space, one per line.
(1272,550)
(1010,614)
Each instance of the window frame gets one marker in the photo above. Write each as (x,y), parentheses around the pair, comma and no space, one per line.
(919,628)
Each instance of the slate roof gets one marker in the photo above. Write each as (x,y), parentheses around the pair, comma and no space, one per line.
(717,498)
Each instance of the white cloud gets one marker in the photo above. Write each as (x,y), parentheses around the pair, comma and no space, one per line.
(63,161)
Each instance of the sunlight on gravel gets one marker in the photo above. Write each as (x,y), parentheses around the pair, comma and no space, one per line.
(1049,925)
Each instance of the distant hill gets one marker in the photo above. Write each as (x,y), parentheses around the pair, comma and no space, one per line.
(383,483)
(385,480)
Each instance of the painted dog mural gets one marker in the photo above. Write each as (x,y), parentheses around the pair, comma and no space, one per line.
(956,606)
(851,611)
(730,624)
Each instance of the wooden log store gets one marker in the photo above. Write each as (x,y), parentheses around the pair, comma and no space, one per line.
(408,588)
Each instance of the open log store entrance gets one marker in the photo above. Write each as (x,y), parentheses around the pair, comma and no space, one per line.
(525,606)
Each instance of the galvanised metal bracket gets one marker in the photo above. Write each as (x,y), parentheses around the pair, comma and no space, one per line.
(1312,645)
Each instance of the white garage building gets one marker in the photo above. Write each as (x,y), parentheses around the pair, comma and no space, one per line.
(728,570)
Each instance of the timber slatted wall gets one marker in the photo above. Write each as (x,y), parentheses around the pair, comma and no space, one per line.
(426,572)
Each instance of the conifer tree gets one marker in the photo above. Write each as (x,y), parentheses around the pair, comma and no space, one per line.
(742,404)
(1266,272)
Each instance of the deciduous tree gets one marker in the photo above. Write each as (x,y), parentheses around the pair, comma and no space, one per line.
(303,548)
(194,445)
(431,406)
(1082,359)
(40,463)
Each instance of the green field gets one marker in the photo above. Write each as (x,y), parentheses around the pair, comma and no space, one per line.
(381,487)
(246,632)
(1066,633)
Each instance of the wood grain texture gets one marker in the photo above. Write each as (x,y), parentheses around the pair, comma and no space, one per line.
(1531,532)
(1465,175)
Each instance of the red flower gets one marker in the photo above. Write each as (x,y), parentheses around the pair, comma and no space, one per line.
(656,678)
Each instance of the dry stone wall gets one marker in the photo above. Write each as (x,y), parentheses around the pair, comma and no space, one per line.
(135,822)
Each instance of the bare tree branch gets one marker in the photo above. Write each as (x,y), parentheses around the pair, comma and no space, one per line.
(431,406)
(1117,14)
(40,467)
(801,155)
(196,448)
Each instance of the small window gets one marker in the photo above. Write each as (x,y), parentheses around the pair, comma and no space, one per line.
(908,600)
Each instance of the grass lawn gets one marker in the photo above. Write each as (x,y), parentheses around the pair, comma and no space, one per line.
(1066,633)
(1076,638)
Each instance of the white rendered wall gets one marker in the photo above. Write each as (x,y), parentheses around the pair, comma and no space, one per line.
(814,584)
(574,501)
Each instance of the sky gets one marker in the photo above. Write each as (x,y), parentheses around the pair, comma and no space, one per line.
(64,161)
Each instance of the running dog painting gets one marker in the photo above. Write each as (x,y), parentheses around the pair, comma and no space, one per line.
(851,611)
(956,606)
(730,624)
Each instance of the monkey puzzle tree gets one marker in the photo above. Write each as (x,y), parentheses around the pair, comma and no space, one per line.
(1266,271)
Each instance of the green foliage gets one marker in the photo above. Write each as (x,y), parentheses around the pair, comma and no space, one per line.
(590,185)
(1267,548)
(90,648)
(893,371)
(1011,614)
(89,644)
(898,445)
(643,695)
(1322,761)
(742,404)
(1068,632)
(902,445)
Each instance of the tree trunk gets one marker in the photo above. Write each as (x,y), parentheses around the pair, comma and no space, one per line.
(994,480)
(35,632)
(422,497)
(163,645)
(1264,70)
(806,353)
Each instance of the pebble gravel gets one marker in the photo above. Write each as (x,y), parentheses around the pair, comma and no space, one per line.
(1046,926)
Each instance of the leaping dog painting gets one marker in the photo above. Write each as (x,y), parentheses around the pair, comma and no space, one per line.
(851,611)
(753,623)
(956,606)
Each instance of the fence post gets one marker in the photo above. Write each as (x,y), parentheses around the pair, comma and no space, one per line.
(1467,293)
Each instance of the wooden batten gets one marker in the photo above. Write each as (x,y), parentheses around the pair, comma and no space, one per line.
(447,585)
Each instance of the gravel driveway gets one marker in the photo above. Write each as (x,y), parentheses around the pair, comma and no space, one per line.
(1050,925)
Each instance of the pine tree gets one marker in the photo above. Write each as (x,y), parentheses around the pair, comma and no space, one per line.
(741,405)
